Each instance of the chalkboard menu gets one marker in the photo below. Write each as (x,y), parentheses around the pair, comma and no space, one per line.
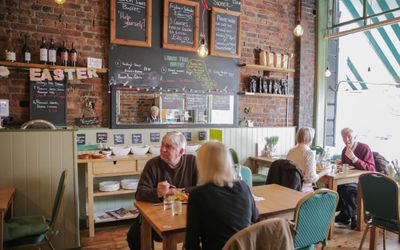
(225,33)
(48,101)
(101,137)
(131,22)
(136,138)
(172,101)
(188,136)
(202,135)
(221,102)
(226,4)
(81,139)
(119,139)
(173,70)
(196,102)
(181,25)
(154,137)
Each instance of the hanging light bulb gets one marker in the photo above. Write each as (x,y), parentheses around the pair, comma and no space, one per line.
(59,1)
(327,72)
(202,51)
(369,68)
(298,30)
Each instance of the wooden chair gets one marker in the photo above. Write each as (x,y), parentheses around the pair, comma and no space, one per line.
(35,231)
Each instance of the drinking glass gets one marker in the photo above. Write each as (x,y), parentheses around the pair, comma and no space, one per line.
(166,203)
(346,168)
(176,208)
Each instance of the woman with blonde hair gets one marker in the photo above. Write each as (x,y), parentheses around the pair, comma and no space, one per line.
(304,158)
(220,206)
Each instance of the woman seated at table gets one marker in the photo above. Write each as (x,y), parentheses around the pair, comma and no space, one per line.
(304,158)
(221,205)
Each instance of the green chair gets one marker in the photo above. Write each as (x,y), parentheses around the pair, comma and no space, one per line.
(380,196)
(256,179)
(35,231)
(312,218)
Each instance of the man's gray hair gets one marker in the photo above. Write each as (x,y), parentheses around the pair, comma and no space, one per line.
(176,138)
(347,130)
(154,109)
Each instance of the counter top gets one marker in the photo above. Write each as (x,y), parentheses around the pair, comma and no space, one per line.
(119,158)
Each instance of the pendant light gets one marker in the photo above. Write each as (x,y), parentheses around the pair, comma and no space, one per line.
(327,72)
(298,30)
(59,1)
(202,51)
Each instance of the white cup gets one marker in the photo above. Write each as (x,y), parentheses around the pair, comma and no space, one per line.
(176,208)
(334,169)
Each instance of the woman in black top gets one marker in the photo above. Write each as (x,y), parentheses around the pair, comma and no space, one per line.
(220,206)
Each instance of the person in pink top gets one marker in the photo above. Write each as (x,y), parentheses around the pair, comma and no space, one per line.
(360,156)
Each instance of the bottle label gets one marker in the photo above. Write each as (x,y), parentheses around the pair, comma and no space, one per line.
(27,56)
(43,54)
(74,57)
(52,55)
(10,56)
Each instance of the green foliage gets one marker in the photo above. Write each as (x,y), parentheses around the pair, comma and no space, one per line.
(272,140)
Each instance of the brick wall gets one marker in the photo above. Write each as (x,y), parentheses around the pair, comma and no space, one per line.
(86,23)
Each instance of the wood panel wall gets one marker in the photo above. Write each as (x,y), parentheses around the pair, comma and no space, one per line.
(32,162)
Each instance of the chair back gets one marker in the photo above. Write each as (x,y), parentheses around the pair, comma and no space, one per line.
(271,234)
(313,216)
(59,197)
(285,173)
(234,155)
(381,200)
(246,175)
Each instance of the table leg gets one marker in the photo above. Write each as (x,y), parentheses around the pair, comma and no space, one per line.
(1,229)
(372,240)
(145,235)
(360,214)
(332,185)
(90,199)
(169,242)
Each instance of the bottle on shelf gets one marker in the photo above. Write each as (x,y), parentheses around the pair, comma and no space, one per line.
(73,56)
(10,51)
(270,57)
(64,55)
(263,57)
(43,52)
(26,52)
(52,53)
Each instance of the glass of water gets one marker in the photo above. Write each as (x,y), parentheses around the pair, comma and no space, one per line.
(176,208)
(166,203)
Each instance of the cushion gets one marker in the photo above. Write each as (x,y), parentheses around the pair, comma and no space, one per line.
(259,179)
(24,226)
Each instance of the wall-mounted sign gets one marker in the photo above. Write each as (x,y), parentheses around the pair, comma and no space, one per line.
(188,136)
(37,75)
(154,137)
(81,139)
(119,139)
(101,137)
(136,138)
(202,135)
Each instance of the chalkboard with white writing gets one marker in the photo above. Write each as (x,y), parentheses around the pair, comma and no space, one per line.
(48,101)
(226,4)
(131,22)
(225,33)
(181,25)
(172,101)
(196,102)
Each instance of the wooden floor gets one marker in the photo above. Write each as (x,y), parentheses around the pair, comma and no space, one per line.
(114,237)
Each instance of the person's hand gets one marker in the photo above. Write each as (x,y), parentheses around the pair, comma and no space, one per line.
(349,153)
(173,191)
(162,188)
(338,162)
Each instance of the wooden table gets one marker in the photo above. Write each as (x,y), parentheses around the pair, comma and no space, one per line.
(258,161)
(278,202)
(6,201)
(332,182)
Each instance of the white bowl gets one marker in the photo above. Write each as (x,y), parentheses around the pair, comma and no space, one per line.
(129,183)
(139,150)
(109,186)
(191,149)
(106,153)
(120,150)
(155,150)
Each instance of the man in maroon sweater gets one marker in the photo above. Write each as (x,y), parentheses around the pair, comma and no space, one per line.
(164,175)
(360,156)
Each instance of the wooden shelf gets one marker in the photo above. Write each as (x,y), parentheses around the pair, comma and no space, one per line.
(267,68)
(21,65)
(265,94)
(98,193)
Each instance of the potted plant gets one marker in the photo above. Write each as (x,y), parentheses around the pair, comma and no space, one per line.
(270,145)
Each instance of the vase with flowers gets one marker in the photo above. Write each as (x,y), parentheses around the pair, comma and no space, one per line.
(270,145)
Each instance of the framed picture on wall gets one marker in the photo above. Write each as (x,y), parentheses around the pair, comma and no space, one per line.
(131,22)
(225,33)
(181,25)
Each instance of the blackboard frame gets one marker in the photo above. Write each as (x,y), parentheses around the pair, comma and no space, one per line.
(113,36)
(213,51)
(165,43)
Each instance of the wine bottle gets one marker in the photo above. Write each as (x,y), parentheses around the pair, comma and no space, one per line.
(10,51)
(73,55)
(52,53)
(26,52)
(43,52)
(64,55)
